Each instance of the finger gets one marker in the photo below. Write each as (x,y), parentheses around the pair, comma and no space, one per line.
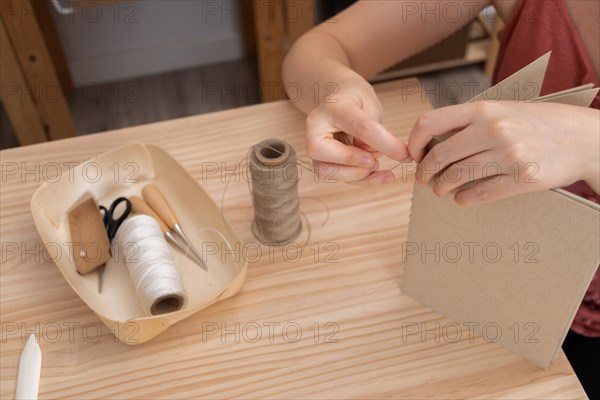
(459,146)
(330,150)
(356,122)
(323,146)
(375,178)
(470,169)
(373,109)
(488,190)
(350,141)
(438,122)
(330,172)
(362,145)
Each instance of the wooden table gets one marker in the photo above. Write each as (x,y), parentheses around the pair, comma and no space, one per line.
(331,323)
(35,74)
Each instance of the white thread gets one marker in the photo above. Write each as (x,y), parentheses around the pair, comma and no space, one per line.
(151,264)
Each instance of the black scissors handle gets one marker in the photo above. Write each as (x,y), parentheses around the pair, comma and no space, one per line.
(111,223)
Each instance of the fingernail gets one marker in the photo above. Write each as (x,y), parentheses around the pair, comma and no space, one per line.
(388,178)
(458,199)
(367,161)
(375,166)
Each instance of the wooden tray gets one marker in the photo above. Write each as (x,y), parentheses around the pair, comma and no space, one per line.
(124,172)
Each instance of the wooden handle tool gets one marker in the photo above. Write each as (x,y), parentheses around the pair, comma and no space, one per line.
(139,206)
(159,204)
(142,207)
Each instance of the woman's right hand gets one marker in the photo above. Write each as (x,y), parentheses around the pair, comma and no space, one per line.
(345,137)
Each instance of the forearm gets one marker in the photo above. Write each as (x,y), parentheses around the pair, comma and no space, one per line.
(363,40)
(316,68)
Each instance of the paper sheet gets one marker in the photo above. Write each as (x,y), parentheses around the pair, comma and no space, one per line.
(515,270)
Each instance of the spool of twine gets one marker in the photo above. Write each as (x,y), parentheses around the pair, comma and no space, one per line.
(151,264)
(274,174)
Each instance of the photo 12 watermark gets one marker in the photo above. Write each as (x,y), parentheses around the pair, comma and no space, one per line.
(242,93)
(453,332)
(224,332)
(252,332)
(126,172)
(213,252)
(476,253)
(73,11)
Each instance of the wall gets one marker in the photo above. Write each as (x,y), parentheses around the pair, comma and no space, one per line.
(108,41)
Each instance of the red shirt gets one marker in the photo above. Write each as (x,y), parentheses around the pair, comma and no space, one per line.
(539,26)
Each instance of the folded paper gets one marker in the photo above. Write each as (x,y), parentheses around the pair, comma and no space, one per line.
(515,270)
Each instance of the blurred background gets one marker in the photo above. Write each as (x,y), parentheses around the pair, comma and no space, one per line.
(78,67)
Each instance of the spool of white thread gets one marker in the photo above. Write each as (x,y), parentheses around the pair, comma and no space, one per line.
(151,264)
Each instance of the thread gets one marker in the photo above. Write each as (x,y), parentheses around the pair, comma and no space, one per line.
(151,264)
(274,173)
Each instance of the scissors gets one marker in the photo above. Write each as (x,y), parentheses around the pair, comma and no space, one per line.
(112,224)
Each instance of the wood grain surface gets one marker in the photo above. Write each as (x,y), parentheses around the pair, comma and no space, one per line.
(324,321)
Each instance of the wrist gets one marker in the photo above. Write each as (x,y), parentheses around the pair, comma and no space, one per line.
(355,84)
(591,172)
(591,161)
(361,91)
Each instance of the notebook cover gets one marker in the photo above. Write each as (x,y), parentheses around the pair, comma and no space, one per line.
(516,270)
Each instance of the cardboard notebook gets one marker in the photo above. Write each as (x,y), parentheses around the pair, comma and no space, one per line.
(515,270)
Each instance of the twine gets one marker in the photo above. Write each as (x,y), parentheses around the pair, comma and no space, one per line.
(151,264)
(274,179)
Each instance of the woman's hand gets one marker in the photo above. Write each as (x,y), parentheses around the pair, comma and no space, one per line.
(345,137)
(512,147)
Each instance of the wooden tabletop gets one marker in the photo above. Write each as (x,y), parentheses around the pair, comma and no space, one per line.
(324,321)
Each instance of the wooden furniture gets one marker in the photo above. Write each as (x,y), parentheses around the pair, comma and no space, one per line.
(490,63)
(33,77)
(279,23)
(324,321)
(479,48)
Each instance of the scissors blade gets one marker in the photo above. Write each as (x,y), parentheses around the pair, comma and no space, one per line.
(30,366)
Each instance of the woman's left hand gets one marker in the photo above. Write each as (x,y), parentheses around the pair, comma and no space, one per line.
(516,147)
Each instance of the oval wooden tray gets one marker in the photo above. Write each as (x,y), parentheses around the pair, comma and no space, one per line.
(124,172)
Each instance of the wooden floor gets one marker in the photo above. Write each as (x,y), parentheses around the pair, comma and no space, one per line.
(102,107)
